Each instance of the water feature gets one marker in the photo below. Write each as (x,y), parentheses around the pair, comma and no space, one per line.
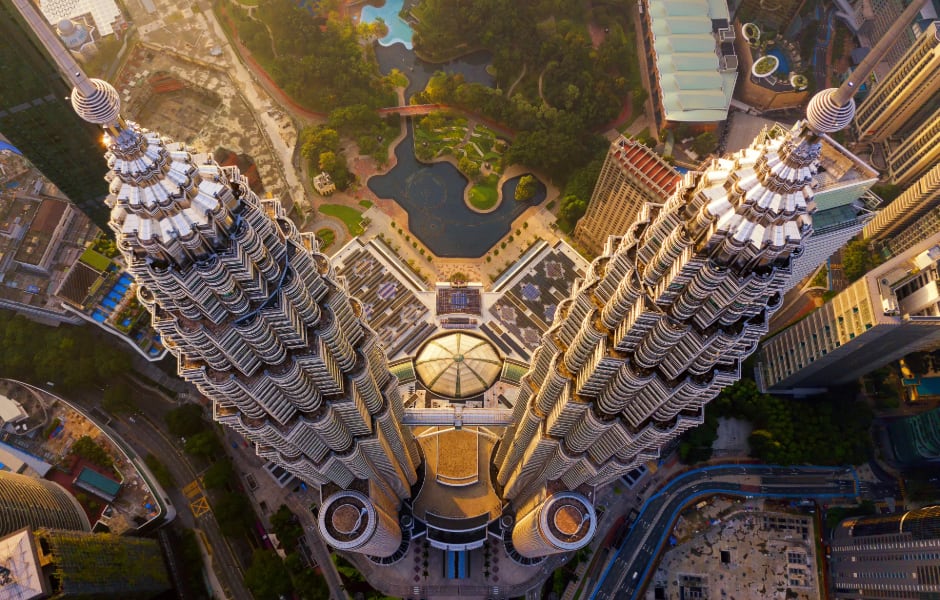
(472,66)
(433,196)
(399,32)
(783,70)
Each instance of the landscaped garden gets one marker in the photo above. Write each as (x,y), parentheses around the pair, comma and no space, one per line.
(327,237)
(474,147)
(350,217)
(484,194)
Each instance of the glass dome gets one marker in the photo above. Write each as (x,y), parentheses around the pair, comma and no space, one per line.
(458,365)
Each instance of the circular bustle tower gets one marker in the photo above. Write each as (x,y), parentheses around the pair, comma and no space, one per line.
(350,521)
(564,522)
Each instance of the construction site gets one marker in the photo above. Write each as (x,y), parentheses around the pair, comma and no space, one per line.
(195,102)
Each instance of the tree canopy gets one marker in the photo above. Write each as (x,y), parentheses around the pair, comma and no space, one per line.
(526,188)
(824,430)
(267,577)
(858,259)
(185,420)
(65,355)
(318,61)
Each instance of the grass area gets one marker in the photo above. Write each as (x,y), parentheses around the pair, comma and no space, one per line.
(367,204)
(484,195)
(327,237)
(349,216)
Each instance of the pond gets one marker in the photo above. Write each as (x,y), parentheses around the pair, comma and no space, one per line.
(433,196)
(397,56)
(784,69)
(399,32)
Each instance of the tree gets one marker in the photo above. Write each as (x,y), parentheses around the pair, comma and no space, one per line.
(468,167)
(234,513)
(159,470)
(571,209)
(219,474)
(309,584)
(328,161)
(185,420)
(88,449)
(705,143)
(118,399)
(267,577)
(857,260)
(526,188)
(205,444)
(284,523)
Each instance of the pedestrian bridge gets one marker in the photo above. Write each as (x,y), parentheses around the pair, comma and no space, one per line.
(458,416)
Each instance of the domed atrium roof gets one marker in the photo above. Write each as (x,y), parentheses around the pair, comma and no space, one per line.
(458,365)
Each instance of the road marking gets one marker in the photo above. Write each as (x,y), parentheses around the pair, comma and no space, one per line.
(200,506)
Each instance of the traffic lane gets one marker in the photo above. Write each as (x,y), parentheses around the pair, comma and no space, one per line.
(228,569)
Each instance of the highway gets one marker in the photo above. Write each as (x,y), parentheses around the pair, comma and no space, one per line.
(624,576)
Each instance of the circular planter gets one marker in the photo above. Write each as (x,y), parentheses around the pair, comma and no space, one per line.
(751,33)
(799,82)
(765,66)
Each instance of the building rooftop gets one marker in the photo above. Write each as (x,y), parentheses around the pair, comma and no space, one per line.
(104,12)
(458,365)
(695,80)
(20,576)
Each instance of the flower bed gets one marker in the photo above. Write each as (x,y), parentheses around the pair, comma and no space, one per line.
(765,66)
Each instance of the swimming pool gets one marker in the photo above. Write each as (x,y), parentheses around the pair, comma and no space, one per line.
(399,32)
(783,70)
(109,303)
(99,316)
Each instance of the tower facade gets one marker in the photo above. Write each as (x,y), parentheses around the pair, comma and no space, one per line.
(917,152)
(910,89)
(888,556)
(915,202)
(29,502)
(890,312)
(250,308)
(631,176)
(658,326)
(36,117)
(252,312)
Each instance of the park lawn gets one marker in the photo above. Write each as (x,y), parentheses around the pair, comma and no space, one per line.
(367,204)
(484,195)
(349,216)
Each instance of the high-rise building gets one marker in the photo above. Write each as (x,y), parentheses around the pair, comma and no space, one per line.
(632,175)
(843,204)
(887,557)
(49,563)
(917,151)
(890,312)
(873,19)
(29,502)
(251,310)
(35,116)
(908,208)
(909,93)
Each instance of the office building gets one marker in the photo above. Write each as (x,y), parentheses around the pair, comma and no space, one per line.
(29,502)
(917,152)
(49,563)
(632,174)
(909,93)
(36,117)
(251,310)
(886,557)
(690,49)
(873,18)
(843,205)
(907,210)
(890,312)
(658,326)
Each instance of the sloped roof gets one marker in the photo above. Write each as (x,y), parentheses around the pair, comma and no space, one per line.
(692,86)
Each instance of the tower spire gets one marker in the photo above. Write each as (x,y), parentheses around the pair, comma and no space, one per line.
(832,109)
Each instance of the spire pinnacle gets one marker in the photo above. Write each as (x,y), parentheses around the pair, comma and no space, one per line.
(833,109)
(94,100)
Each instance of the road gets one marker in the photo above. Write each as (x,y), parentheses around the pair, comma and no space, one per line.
(625,575)
(146,438)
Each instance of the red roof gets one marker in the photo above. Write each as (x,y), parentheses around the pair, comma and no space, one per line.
(649,167)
